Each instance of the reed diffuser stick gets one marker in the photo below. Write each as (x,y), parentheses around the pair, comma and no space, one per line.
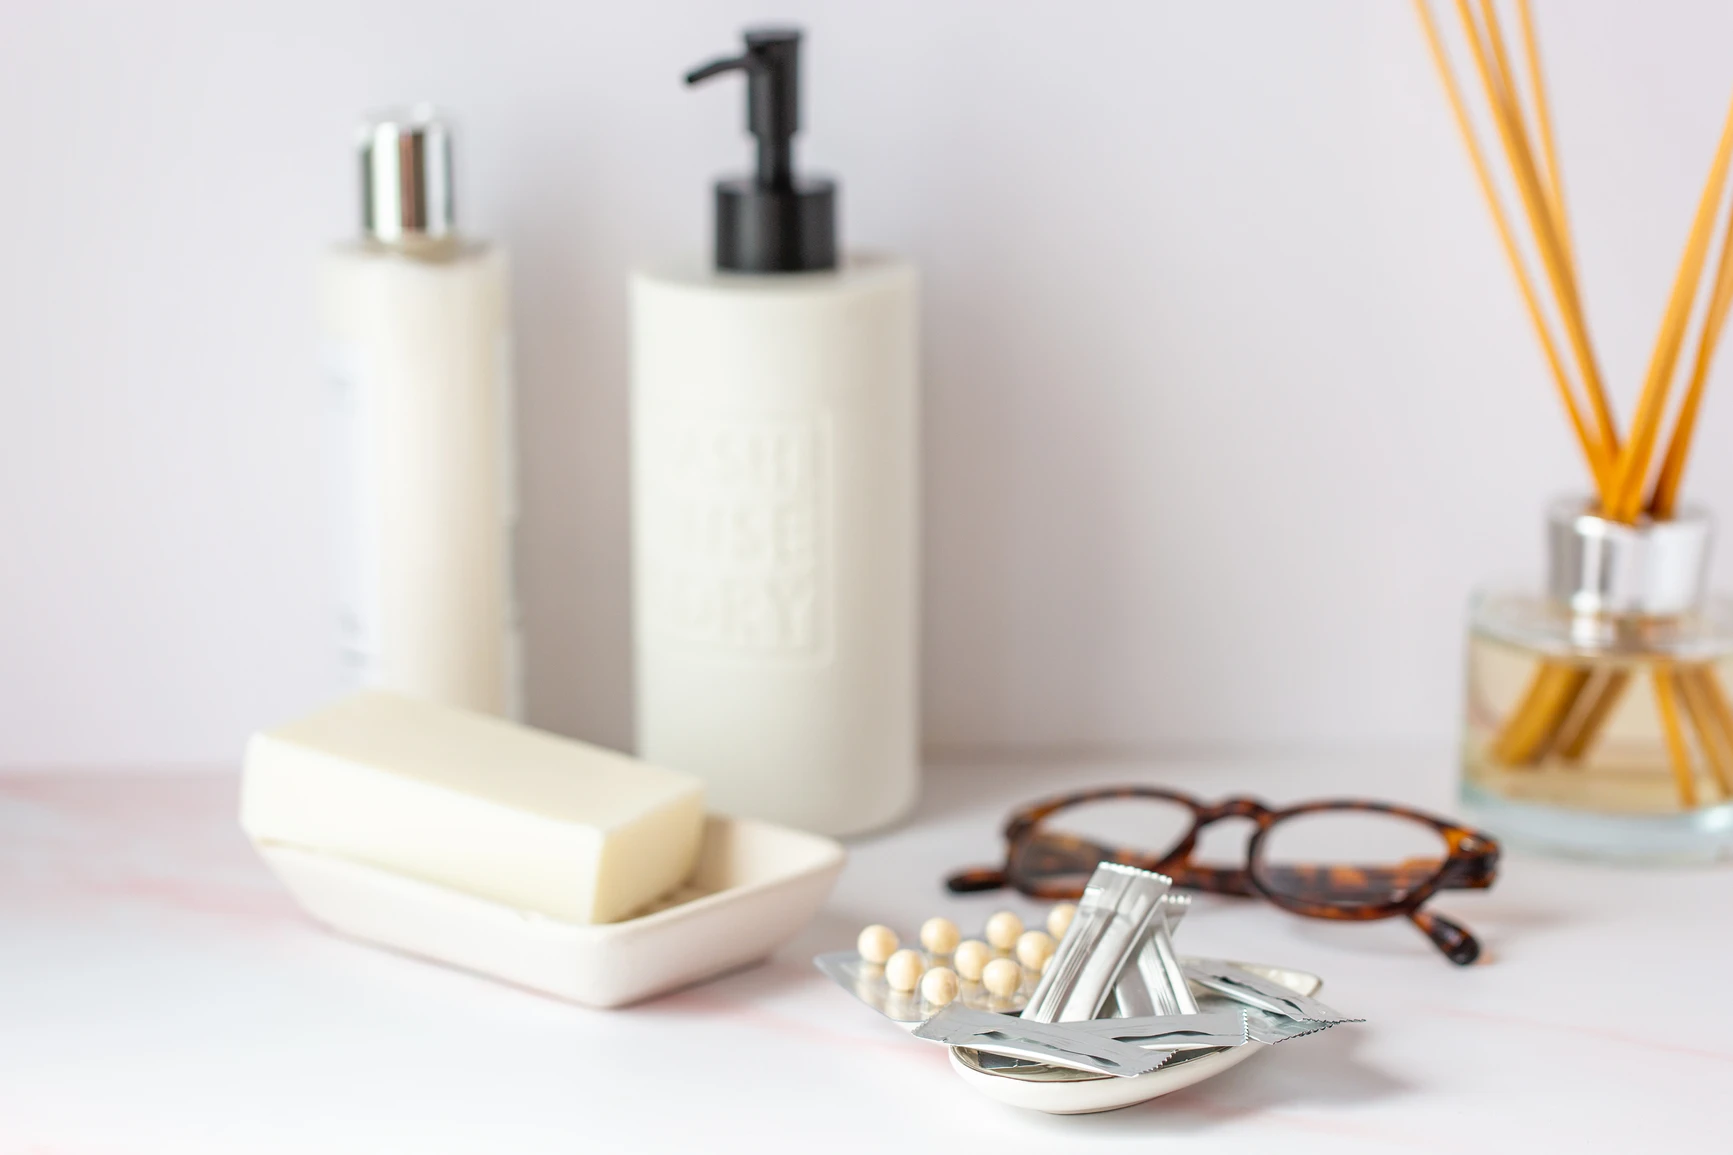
(1554,689)
(1716,742)
(1646,424)
(1507,238)
(1507,120)
(1579,733)
(1539,724)
(1543,120)
(1566,705)
(1606,426)
(1492,60)
(1675,736)
(1666,494)
(1719,706)
(1540,721)
(1603,698)
(1546,704)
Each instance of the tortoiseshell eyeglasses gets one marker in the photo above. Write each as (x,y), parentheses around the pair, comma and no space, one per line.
(1335,859)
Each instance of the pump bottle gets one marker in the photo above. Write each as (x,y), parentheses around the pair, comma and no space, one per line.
(418,365)
(774,436)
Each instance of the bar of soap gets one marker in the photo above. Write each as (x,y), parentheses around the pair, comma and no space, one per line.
(477,804)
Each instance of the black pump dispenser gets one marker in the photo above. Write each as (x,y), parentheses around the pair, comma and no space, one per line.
(772,222)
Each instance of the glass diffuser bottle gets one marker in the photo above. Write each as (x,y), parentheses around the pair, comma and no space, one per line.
(1597,718)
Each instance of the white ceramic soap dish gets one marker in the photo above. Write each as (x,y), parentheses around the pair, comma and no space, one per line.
(754,887)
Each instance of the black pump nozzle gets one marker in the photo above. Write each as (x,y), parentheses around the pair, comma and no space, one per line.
(772,66)
(773,223)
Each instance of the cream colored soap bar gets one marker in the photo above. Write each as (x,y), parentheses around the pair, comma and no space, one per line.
(475,803)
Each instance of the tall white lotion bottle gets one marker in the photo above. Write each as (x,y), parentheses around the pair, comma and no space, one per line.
(416,326)
(775,445)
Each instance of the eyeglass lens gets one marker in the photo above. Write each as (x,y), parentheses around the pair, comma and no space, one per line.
(1348,857)
(1066,846)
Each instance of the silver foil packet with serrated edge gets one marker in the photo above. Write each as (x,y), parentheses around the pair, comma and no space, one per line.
(1057,1044)
(1154,983)
(1225,1028)
(1113,919)
(1263,1026)
(1243,986)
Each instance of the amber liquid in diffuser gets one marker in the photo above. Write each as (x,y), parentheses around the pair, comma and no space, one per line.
(1571,721)
(1624,767)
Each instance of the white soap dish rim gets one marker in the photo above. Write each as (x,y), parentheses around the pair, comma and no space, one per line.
(785,875)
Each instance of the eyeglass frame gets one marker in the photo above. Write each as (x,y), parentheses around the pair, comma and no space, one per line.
(1471,861)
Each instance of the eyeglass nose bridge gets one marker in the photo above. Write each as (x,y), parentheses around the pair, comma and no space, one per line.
(1235,807)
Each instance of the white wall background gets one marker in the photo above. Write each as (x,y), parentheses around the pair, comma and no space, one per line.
(1230,399)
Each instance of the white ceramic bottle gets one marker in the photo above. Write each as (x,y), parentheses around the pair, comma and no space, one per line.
(775,442)
(418,360)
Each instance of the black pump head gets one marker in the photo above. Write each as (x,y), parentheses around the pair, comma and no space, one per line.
(773,222)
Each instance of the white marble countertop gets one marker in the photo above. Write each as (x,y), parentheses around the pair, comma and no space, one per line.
(159,993)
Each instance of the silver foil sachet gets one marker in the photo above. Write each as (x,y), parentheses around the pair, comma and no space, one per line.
(1114,917)
(1263,1026)
(1243,986)
(1061,1045)
(1154,983)
(1173,1032)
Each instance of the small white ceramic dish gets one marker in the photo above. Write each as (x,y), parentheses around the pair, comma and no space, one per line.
(1059,1091)
(755,885)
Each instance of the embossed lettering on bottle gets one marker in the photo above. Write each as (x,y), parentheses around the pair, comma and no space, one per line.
(746,543)
(356,516)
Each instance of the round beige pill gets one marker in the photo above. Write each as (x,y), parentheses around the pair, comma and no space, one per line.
(1034,948)
(903,970)
(1059,919)
(939,986)
(970,957)
(876,943)
(1003,929)
(1002,977)
(939,936)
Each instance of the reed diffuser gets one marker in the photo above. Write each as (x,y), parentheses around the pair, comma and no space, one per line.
(1598,715)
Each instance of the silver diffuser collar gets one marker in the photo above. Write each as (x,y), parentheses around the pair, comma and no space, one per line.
(406,185)
(1652,568)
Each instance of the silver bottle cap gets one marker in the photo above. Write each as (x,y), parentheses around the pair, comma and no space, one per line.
(1652,568)
(406,185)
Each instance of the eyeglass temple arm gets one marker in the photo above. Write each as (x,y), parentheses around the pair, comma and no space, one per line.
(980,878)
(1458,945)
